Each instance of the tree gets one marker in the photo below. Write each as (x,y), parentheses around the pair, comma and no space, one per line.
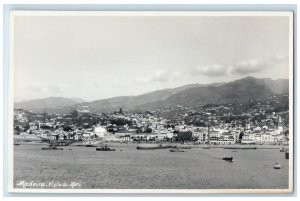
(241,135)
(74,114)
(148,130)
(185,136)
(67,129)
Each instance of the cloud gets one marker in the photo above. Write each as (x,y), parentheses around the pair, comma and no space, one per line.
(255,66)
(158,76)
(215,70)
(56,88)
(39,88)
(240,68)
(279,59)
(248,67)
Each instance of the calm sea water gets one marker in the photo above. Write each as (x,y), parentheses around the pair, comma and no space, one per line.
(152,169)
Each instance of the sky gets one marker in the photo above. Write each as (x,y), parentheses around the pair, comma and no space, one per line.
(97,57)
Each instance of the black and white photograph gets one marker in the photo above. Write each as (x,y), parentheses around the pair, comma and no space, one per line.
(151,101)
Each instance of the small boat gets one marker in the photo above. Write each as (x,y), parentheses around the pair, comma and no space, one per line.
(155,146)
(167,146)
(240,147)
(183,147)
(90,145)
(176,150)
(277,166)
(234,150)
(228,158)
(148,146)
(205,147)
(104,149)
(282,149)
(52,148)
(16,144)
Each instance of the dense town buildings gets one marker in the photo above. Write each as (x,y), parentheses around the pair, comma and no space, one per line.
(208,124)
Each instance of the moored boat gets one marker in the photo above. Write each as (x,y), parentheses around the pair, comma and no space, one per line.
(167,146)
(282,149)
(91,145)
(104,149)
(155,146)
(176,150)
(184,146)
(228,158)
(240,147)
(52,148)
(277,166)
(148,146)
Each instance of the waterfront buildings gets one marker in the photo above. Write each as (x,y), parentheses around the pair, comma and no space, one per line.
(126,126)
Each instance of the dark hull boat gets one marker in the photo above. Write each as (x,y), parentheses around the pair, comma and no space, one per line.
(228,158)
(176,150)
(91,145)
(104,149)
(287,154)
(184,147)
(148,146)
(52,148)
(240,147)
(282,149)
(155,146)
(277,166)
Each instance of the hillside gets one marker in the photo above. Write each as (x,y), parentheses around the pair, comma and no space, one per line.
(51,103)
(242,90)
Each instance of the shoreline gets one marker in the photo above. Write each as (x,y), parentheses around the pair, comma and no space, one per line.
(178,145)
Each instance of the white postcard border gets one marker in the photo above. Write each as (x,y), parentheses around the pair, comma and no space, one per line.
(14,13)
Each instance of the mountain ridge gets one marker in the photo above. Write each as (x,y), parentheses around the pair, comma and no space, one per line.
(241,90)
(47,103)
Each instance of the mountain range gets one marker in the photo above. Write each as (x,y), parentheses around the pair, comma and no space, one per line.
(38,105)
(242,90)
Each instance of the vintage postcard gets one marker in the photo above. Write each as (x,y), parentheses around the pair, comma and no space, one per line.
(151,102)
